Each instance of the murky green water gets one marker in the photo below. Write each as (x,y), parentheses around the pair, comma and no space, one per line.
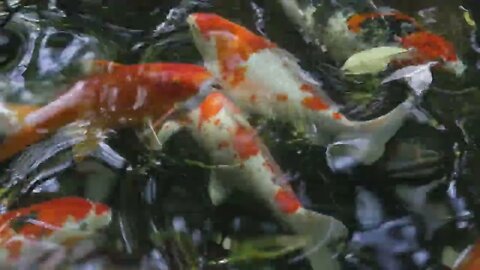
(402,212)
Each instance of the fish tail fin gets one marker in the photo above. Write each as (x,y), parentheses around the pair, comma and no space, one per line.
(365,142)
(325,237)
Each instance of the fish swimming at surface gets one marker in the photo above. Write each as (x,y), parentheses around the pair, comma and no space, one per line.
(266,80)
(113,98)
(347,32)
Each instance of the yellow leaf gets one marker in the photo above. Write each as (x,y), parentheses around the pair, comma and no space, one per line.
(371,61)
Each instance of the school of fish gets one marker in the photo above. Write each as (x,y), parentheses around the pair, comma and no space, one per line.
(244,75)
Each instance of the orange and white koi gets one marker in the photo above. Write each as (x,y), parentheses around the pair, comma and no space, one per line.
(26,233)
(242,162)
(113,98)
(264,79)
(347,32)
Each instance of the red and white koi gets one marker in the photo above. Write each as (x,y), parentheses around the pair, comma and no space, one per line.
(27,233)
(264,79)
(242,162)
(113,97)
(347,32)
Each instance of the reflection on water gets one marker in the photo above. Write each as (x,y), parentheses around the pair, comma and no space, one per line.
(402,212)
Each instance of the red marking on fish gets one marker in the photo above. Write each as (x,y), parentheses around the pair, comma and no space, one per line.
(268,166)
(253,98)
(223,144)
(337,116)
(282,97)
(41,220)
(429,47)
(287,201)
(307,88)
(110,98)
(315,103)
(356,21)
(211,106)
(234,44)
(245,143)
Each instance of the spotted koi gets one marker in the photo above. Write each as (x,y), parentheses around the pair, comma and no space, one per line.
(58,222)
(273,85)
(244,163)
(113,97)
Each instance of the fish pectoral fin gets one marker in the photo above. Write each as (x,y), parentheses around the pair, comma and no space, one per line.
(326,235)
(217,190)
(346,154)
(90,144)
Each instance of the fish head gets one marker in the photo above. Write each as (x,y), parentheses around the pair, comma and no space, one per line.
(224,45)
(427,47)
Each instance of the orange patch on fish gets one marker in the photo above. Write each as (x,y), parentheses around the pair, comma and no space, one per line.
(238,76)
(234,44)
(337,116)
(253,98)
(429,47)
(287,201)
(245,143)
(223,144)
(307,88)
(282,97)
(14,248)
(315,103)
(211,106)
(355,22)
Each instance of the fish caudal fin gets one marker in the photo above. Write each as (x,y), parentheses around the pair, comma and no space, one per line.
(364,143)
(325,235)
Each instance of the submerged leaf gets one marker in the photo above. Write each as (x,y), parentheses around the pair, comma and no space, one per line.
(371,61)
(269,247)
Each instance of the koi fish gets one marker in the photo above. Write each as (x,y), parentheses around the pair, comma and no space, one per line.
(30,231)
(265,80)
(469,259)
(113,98)
(242,162)
(347,32)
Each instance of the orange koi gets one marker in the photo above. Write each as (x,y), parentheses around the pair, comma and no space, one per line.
(265,80)
(61,222)
(123,96)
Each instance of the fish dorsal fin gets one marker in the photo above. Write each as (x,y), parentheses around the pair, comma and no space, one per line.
(97,66)
(217,190)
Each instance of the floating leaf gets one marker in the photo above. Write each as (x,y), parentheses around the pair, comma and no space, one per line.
(468,18)
(417,77)
(371,61)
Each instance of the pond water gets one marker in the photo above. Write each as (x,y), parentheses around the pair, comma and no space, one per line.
(416,207)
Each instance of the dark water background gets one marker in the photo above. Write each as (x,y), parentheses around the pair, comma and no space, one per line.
(420,198)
